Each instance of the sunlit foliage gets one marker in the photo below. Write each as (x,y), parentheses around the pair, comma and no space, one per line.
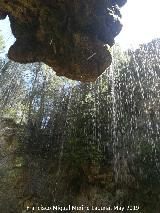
(67,142)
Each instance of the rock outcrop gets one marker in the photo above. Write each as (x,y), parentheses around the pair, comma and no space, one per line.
(71,36)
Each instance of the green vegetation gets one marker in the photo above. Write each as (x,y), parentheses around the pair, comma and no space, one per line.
(66,142)
(1,42)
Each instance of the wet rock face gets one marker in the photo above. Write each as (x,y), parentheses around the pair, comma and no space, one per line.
(71,36)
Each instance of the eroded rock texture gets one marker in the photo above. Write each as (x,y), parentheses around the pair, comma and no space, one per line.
(71,36)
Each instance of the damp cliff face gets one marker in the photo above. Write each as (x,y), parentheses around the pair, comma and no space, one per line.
(72,37)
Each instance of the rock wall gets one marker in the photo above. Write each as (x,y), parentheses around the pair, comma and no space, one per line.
(71,36)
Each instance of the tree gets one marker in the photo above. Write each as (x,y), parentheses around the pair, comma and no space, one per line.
(1,42)
(100,137)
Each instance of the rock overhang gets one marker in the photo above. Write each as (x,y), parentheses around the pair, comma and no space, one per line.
(72,37)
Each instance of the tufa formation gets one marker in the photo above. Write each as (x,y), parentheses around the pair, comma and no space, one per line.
(73,37)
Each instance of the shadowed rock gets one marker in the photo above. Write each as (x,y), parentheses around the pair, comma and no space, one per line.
(72,37)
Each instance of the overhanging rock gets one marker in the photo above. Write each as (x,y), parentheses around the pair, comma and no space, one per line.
(71,36)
